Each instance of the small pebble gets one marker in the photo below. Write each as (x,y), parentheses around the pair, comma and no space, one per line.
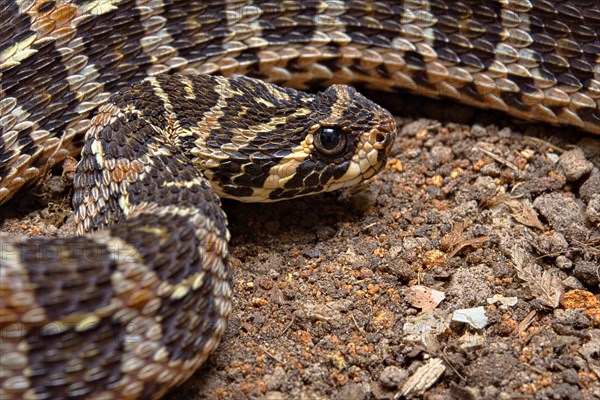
(351,391)
(574,164)
(441,155)
(591,186)
(570,375)
(505,132)
(273,274)
(312,253)
(592,211)
(563,213)
(571,283)
(274,395)
(479,131)
(564,263)
(551,243)
(588,272)
(392,377)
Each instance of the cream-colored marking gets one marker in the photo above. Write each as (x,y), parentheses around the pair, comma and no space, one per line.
(87,323)
(159,92)
(278,94)
(130,108)
(164,151)
(185,184)
(99,7)
(205,125)
(338,108)
(188,86)
(260,100)
(198,281)
(159,232)
(62,325)
(180,291)
(97,150)
(253,130)
(19,51)
(124,203)
(201,224)
(192,282)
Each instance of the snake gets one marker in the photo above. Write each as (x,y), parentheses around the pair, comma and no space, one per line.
(172,104)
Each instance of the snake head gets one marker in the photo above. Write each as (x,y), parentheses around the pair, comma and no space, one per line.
(290,143)
(349,143)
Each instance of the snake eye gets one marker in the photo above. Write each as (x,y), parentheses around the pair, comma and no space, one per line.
(330,141)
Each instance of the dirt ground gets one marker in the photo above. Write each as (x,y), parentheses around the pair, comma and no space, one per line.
(467,269)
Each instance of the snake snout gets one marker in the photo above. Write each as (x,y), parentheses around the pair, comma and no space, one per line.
(384,134)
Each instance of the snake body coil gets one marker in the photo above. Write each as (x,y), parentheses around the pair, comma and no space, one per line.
(135,308)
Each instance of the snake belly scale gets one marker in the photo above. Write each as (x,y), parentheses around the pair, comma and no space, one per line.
(134,308)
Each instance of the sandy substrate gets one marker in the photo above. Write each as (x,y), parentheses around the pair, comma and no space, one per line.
(337,296)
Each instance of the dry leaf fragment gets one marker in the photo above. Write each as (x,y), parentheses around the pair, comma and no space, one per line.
(424,298)
(454,237)
(469,242)
(473,316)
(418,328)
(456,241)
(521,211)
(422,379)
(505,302)
(544,285)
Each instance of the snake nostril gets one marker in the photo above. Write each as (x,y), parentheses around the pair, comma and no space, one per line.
(380,138)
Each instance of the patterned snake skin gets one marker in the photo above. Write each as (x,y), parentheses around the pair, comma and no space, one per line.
(136,308)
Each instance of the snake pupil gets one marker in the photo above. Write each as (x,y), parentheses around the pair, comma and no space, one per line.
(330,141)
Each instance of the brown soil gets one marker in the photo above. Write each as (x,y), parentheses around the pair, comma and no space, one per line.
(327,303)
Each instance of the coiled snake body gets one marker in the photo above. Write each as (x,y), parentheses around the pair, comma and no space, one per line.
(137,307)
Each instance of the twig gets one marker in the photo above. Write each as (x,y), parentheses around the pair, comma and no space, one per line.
(524,324)
(535,140)
(356,324)
(271,355)
(288,326)
(499,159)
(445,356)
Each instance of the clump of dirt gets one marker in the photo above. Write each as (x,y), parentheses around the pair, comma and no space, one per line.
(337,296)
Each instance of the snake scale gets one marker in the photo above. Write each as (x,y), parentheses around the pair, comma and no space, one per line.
(140,88)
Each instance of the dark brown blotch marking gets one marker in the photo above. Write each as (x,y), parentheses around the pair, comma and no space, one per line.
(69,276)
(469,22)
(190,111)
(189,20)
(119,56)
(174,254)
(52,357)
(35,81)
(580,26)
